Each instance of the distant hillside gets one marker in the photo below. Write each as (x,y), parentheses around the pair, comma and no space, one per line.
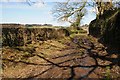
(20,25)
(11,25)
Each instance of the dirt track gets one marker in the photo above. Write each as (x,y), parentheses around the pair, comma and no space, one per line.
(81,57)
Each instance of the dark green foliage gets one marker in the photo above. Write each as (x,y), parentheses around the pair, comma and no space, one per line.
(107,28)
(94,30)
(112,32)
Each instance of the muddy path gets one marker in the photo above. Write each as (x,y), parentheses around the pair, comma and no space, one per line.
(80,57)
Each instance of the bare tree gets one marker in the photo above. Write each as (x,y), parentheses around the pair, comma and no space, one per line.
(74,11)
(34,2)
(71,12)
(102,6)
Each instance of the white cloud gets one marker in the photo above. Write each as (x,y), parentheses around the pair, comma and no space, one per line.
(38,5)
(93,10)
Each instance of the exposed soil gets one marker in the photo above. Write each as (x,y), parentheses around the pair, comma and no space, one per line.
(80,57)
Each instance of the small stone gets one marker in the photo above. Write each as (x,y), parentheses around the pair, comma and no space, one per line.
(114,56)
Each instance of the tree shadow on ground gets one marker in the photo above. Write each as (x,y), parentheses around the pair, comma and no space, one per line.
(92,67)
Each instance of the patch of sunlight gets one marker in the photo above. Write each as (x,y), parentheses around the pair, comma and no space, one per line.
(55,44)
(74,35)
(47,52)
(36,60)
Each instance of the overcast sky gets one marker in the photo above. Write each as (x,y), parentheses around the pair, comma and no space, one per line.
(21,12)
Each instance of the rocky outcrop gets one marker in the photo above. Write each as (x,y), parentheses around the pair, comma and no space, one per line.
(21,36)
(107,28)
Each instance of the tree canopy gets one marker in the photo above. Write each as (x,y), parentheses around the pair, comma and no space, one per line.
(74,11)
(70,11)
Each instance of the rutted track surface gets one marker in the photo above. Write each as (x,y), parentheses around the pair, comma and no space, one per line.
(76,58)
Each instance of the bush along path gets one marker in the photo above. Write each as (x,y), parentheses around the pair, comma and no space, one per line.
(80,57)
